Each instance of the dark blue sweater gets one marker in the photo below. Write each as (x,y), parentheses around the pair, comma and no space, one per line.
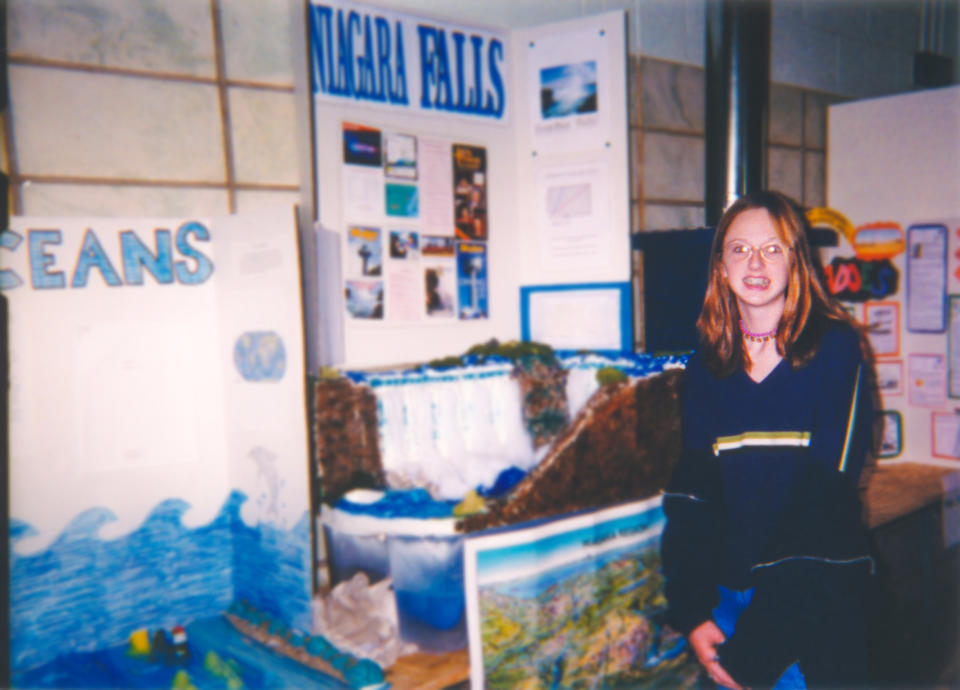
(765,496)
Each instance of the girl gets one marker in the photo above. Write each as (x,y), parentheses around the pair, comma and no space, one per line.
(764,553)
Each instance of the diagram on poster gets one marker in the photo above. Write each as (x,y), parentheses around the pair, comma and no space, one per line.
(574,216)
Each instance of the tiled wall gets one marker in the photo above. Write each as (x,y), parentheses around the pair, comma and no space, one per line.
(150,107)
(667,130)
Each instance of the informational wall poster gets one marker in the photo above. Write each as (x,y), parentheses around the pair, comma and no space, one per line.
(574,602)
(926,278)
(472,280)
(436,201)
(946,435)
(951,509)
(889,377)
(891,442)
(470,191)
(928,380)
(883,327)
(574,216)
(404,292)
(953,346)
(569,80)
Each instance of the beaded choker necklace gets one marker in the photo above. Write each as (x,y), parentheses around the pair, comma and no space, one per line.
(757,337)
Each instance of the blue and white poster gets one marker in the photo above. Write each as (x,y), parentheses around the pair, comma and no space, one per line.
(158,460)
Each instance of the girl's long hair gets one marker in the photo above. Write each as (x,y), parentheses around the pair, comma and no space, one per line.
(808,311)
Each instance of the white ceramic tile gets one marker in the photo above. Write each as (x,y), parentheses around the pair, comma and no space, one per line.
(159,35)
(673,95)
(114,201)
(784,171)
(258,41)
(673,167)
(264,136)
(814,179)
(95,125)
(661,217)
(785,120)
(253,200)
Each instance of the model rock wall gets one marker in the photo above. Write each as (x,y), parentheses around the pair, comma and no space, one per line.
(622,446)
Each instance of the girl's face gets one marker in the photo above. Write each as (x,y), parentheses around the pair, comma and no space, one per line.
(756,262)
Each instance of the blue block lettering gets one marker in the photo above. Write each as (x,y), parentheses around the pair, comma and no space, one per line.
(92,256)
(495,107)
(204,267)
(40,260)
(137,256)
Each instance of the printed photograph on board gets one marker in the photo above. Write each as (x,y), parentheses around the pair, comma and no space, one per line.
(362,145)
(364,253)
(403,201)
(364,298)
(439,276)
(472,280)
(400,152)
(404,244)
(470,191)
(568,89)
(891,443)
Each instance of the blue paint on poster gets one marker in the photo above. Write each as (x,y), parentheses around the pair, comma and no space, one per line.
(260,356)
(85,593)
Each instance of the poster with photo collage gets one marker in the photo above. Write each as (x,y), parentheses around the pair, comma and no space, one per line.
(415,241)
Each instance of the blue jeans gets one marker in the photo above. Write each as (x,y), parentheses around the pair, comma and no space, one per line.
(732,603)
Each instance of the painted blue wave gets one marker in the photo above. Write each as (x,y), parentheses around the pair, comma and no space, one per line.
(85,593)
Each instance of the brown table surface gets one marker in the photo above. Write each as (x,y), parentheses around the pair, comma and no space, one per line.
(895,490)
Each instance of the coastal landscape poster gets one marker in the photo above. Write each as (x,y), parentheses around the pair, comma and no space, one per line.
(572,603)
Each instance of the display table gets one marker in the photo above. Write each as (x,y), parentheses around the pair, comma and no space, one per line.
(894,491)
(915,600)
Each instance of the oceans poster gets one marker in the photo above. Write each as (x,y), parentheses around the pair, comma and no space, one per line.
(575,602)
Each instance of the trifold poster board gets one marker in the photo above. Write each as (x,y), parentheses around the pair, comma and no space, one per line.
(894,173)
(158,459)
(455,164)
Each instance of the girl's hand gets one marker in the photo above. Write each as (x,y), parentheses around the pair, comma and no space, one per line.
(705,639)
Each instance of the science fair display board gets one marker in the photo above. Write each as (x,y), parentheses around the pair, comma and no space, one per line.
(894,167)
(455,164)
(157,426)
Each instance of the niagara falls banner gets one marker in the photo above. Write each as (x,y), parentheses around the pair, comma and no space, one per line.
(572,602)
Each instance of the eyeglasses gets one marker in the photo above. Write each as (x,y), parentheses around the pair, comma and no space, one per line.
(772,252)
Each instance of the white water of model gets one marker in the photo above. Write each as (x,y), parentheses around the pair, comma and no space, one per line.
(452,431)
